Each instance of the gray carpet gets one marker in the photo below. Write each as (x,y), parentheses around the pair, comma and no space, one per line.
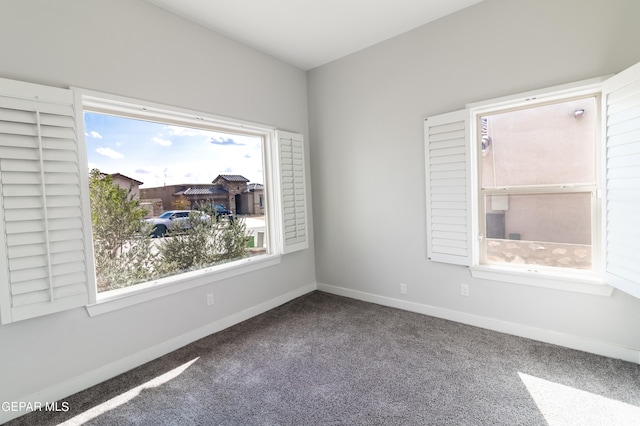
(325,359)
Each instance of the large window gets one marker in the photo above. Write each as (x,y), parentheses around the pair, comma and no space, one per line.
(168,199)
(147,201)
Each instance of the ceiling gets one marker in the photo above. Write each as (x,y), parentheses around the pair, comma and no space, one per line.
(310,33)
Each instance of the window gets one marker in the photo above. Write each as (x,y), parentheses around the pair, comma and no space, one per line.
(47,262)
(167,199)
(524,189)
(537,185)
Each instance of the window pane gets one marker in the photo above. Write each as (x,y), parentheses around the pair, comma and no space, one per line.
(539,229)
(167,199)
(551,144)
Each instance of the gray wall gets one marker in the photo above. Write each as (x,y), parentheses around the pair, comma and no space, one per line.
(131,48)
(366,116)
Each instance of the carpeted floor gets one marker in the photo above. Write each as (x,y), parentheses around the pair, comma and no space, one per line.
(325,359)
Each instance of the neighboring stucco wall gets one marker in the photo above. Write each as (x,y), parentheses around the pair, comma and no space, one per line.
(542,146)
(164,193)
(127,185)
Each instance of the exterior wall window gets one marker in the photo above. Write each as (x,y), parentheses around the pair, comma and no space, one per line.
(107,202)
(537,185)
(540,188)
(167,198)
(518,189)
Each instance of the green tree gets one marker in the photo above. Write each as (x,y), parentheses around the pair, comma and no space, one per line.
(123,250)
(204,243)
(232,241)
(188,249)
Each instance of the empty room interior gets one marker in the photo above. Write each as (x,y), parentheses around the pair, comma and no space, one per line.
(378,227)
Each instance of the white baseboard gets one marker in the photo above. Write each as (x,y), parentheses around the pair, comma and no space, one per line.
(99,375)
(539,334)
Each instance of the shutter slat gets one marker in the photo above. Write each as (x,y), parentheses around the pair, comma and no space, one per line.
(624,138)
(623,127)
(448,167)
(444,227)
(630,148)
(448,182)
(632,111)
(17,128)
(19,153)
(620,100)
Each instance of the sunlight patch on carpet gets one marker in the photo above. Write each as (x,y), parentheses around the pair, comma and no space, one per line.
(564,405)
(129,395)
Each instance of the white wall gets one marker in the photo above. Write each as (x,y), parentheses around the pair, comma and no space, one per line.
(367,159)
(131,48)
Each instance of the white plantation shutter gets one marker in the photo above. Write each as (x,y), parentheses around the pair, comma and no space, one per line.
(621,98)
(292,192)
(43,265)
(447,152)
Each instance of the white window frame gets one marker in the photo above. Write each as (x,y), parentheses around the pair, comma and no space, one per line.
(460,244)
(569,279)
(132,108)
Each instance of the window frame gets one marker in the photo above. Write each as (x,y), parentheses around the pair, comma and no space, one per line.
(88,100)
(543,189)
(591,282)
(556,278)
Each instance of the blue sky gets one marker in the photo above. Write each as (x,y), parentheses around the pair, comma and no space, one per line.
(161,154)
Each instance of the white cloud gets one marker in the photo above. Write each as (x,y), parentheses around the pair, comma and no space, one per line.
(108,152)
(161,142)
(185,131)
(95,134)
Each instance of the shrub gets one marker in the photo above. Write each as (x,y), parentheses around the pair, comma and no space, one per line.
(203,244)
(123,252)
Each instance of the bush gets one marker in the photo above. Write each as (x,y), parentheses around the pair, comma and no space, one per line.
(203,244)
(136,263)
(125,252)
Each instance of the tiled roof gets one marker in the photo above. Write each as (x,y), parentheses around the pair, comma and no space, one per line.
(232,178)
(212,190)
(254,186)
(120,175)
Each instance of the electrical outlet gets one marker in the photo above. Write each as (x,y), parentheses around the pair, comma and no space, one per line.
(464,289)
(210,299)
(403,288)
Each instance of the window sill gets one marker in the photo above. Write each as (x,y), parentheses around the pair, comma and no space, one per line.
(129,296)
(567,281)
